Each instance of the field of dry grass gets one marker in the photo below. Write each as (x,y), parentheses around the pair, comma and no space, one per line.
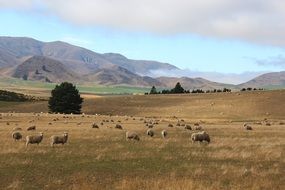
(103,159)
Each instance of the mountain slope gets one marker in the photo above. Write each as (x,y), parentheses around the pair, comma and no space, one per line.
(137,66)
(269,80)
(117,75)
(40,68)
(192,83)
(78,59)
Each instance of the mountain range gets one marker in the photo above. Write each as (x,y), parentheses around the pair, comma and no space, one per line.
(30,59)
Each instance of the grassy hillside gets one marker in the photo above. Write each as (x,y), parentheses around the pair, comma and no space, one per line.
(222,106)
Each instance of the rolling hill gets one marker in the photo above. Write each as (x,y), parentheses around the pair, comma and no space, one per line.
(272,80)
(193,83)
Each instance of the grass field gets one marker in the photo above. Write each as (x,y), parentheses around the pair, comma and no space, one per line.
(43,89)
(103,159)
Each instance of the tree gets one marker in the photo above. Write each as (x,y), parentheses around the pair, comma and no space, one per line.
(65,98)
(178,88)
(153,90)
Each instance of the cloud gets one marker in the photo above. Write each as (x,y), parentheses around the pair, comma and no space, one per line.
(257,21)
(229,78)
(278,61)
(18,4)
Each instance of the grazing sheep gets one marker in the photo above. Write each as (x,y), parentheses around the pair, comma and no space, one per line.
(94,125)
(59,139)
(196,124)
(200,136)
(17,129)
(34,139)
(131,135)
(164,133)
(178,124)
(31,128)
(150,126)
(150,132)
(247,127)
(188,127)
(16,136)
(268,124)
(170,125)
(281,123)
(118,126)
(197,127)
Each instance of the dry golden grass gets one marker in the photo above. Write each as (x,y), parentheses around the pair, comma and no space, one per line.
(103,159)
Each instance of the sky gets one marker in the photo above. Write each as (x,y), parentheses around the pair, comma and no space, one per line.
(222,40)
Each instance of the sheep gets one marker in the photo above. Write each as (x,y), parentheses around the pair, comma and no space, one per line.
(150,126)
(197,127)
(59,139)
(200,136)
(188,127)
(17,129)
(34,139)
(150,132)
(131,135)
(94,125)
(164,133)
(170,125)
(31,128)
(16,136)
(247,127)
(118,126)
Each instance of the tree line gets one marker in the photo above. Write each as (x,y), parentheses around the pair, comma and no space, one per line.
(178,89)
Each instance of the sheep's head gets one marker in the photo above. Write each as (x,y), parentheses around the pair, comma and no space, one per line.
(41,134)
(65,134)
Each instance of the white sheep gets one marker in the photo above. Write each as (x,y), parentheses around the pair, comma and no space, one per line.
(55,139)
(118,126)
(17,129)
(16,136)
(200,136)
(247,126)
(150,132)
(164,133)
(188,127)
(94,125)
(34,139)
(31,128)
(131,135)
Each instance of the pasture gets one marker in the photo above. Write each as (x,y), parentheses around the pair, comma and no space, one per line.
(103,159)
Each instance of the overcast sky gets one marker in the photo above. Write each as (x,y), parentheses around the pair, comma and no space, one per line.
(225,36)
